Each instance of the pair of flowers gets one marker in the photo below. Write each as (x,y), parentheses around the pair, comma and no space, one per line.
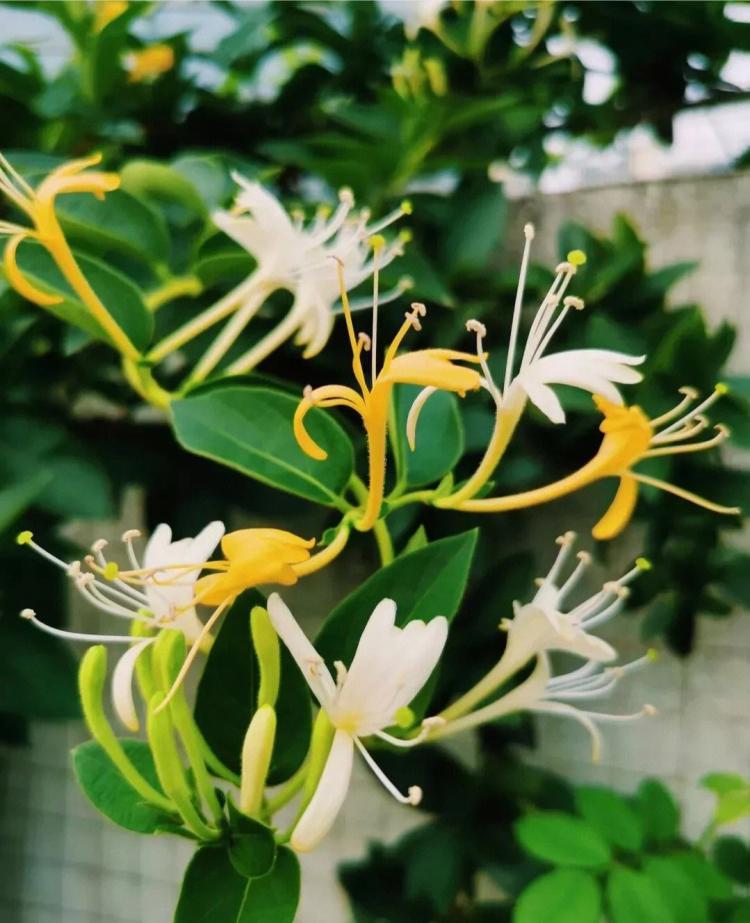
(391,664)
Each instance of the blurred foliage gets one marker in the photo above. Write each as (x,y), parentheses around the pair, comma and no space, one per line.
(522,846)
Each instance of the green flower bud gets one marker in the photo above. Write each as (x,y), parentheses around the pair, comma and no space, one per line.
(257,751)
(266,643)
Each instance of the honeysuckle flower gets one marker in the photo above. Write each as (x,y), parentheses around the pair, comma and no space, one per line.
(296,256)
(629,437)
(39,206)
(163,590)
(433,368)
(547,624)
(389,668)
(543,693)
(598,371)
(415,14)
(105,11)
(149,63)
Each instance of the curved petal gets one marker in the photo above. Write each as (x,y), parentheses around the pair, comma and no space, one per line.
(543,398)
(311,664)
(372,665)
(329,796)
(204,544)
(434,367)
(620,510)
(19,281)
(122,685)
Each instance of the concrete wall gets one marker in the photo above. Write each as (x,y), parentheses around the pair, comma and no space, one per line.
(65,865)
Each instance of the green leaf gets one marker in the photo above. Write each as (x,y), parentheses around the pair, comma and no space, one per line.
(440,438)
(118,294)
(151,179)
(563,840)
(226,697)
(424,584)
(611,816)
(212,891)
(119,222)
(252,847)
(17,497)
(732,796)
(435,860)
(658,811)
(250,429)
(705,876)
(475,234)
(274,897)
(633,898)
(562,896)
(110,794)
(732,856)
(680,894)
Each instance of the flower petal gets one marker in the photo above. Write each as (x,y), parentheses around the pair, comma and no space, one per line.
(329,796)
(620,510)
(122,685)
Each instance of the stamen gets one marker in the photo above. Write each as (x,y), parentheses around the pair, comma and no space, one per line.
(341,674)
(428,725)
(682,435)
(414,411)
(584,561)
(686,495)
(722,434)
(565,542)
(32,617)
(475,326)
(690,395)
(377,243)
(528,233)
(719,391)
(414,795)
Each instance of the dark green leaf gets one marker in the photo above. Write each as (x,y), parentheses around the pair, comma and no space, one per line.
(250,429)
(732,856)
(212,891)
(680,894)
(110,793)
(252,847)
(274,897)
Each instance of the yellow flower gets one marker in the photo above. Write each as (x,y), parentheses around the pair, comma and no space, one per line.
(254,556)
(629,437)
(428,367)
(106,11)
(39,206)
(149,63)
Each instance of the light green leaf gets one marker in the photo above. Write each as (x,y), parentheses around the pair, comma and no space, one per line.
(212,890)
(110,794)
(658,811)
(562,896)
(611,816)
(153,180)
(440,438)
(679,891)
(250,429)
(633,898)
(118,294)
(563,840)
(274,897)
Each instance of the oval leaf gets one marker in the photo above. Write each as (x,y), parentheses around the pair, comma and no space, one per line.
(562,896)
(110,794)
(250,429)
(274,897)
(611,816)
(121,298)
(212,890)
(562,839)
(633,898)
(252,847)
(677,888)
(440,437)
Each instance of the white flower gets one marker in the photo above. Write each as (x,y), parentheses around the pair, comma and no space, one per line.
(298,257)
(598,371)
(415,14)
(544,694)
(160,600)
(389,668)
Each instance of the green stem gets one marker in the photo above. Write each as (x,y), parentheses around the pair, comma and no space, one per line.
(175,287)
(290,788)
(142,381)
(416,496)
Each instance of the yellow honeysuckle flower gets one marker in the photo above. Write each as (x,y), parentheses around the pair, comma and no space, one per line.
(149,63)
(629,437)
(105,11)
(433,368)
(39,206)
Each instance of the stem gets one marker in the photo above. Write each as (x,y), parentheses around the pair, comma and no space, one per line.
(143,383)
(264,347)
(416,496)
(212,315)
(173,288)
(323,558)
(288,791)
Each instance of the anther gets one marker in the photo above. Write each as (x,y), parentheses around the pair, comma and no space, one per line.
(565,266)
(415,795)
(406,207)
(539,581)
(584,557)
(74,571)
(567,538)
(83,580)
(643,564)
(307,392)
(475,326)
(346,196)
(405,236)
(649,711)
(28,614)
(721,388)
(576,257)
(365,341)
(419,309)
(689,391)
(377,242)
(130,534)
(99,545)
(653,655)
(528,231)
(405,283)
(572,301)
(25,537)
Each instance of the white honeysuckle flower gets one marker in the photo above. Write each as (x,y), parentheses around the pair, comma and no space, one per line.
(299,257)
(389,668)
(546,624)
(161,600)
(415,14)
(543,693)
